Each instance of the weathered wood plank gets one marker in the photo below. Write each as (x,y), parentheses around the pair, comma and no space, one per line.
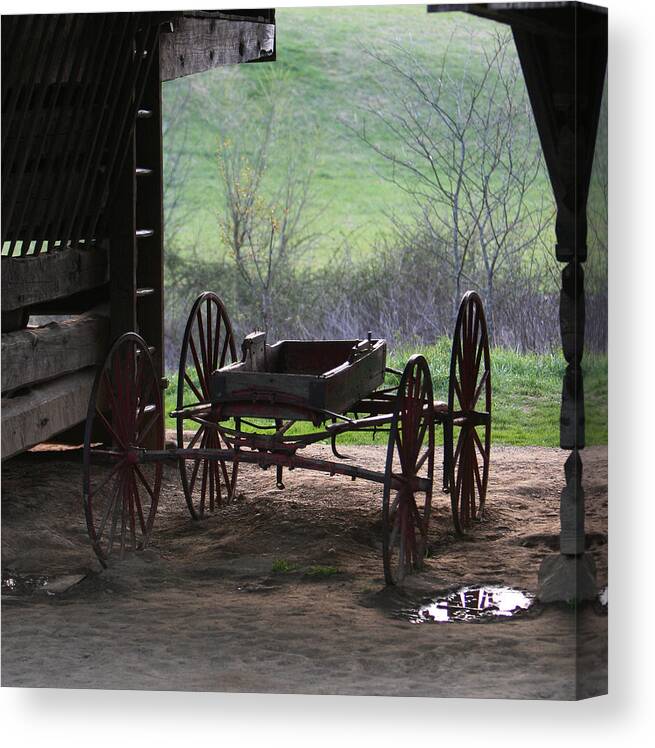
(78,303)
(52,275)
(294,377)
(199,44)
(44,411)
(254,351)
(38,354)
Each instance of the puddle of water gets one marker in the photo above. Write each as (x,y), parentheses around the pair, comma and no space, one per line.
(15,584)
(473,604)
(22,584)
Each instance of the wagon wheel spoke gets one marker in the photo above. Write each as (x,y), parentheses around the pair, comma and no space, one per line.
(114,521)
(394,533)
(460,442)
(197,463)
(210,345)
(196,436)
(109,506)
(478,391)
(478,478)
(110,429)
(478,357)
(460,396)
(203,349)
(217,338)
(224,351)
(422,460)
(142,435)
(199,369)
(207,343)
(216,498)
(112,473)
(421,436)
(226,477)
(193,387)
(132,517)
(144,482)
(124,513)
(145,400)
(137,500)
(402,551)
(127,383)
(205,467)
(478,443)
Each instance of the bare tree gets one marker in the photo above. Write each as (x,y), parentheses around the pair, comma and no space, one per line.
(464,149)
(268,216)
(177,164)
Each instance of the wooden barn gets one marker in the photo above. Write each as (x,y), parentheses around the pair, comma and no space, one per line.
(82,225)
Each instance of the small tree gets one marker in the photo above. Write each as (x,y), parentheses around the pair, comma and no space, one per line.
(177,164)
(464,149)
(267,218)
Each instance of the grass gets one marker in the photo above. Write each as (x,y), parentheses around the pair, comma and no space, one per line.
(321,572)
(316,571)
(280,566)
(526,395)
(328,75)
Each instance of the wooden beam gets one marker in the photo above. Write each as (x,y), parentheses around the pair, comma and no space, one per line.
(52,275)
(260,15)
(44,411)
(123,253)
(79,303)
(149,215)
(38,354)
(199,44)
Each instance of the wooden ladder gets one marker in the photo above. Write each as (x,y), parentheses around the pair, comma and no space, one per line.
(137,241)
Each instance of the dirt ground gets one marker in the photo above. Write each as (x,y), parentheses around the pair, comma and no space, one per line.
(203,609)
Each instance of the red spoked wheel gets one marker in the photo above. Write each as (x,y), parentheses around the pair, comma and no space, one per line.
(208,344)
(410,457)
(469,407)
(120,493)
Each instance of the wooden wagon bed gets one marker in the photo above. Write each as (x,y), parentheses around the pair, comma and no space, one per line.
(304,380)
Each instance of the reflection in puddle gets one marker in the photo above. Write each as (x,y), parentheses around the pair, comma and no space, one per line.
(22,584)
(15,584)
(471,604)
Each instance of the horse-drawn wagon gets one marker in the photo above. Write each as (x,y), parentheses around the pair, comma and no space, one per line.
(232,410)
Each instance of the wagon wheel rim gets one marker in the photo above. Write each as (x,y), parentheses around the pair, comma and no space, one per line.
(120,493)
(208,344)
(410,455)
(469,405)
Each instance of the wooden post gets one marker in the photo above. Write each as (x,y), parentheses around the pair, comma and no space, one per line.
(563,56)
(122,257)
(149,216)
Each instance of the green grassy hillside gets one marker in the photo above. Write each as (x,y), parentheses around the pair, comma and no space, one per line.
(327,75)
